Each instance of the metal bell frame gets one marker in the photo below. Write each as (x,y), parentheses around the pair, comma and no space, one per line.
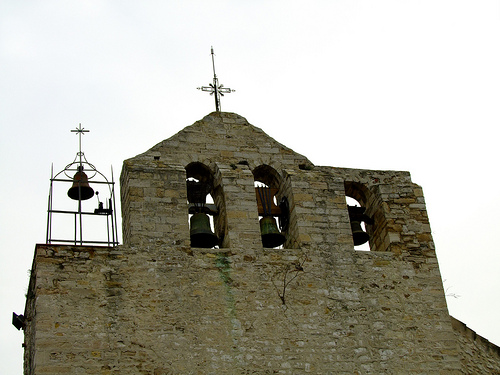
(67,175)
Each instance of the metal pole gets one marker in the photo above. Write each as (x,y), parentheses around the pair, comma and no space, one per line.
(216,95)
(115,225)
(80,210)
(49,208)
(75,228)
(216,83)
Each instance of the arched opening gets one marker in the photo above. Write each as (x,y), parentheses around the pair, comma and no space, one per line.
(272,207)
(205,226)
(358,225)
(359,216)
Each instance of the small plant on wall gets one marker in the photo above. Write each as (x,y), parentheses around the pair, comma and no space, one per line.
(286,275)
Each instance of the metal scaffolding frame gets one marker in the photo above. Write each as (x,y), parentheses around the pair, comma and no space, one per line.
(67,175)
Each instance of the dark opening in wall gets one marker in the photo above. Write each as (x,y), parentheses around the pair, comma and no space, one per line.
(206,229)
(358,226)
(272,205)
(359,217)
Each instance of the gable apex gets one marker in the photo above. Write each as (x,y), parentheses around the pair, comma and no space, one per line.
(221,137)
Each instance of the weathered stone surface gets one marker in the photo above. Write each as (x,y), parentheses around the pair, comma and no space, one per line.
(478,355)
(155,305)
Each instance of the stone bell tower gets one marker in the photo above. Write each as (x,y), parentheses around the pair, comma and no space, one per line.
(204,285)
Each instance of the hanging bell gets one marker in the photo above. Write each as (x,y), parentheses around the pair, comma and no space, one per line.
(201,234)
(80,189)
(356,216)
(271,236)
(359,236)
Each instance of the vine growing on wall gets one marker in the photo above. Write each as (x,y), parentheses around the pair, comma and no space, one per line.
(286,275)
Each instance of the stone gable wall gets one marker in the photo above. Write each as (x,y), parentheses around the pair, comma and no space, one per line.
(155,305)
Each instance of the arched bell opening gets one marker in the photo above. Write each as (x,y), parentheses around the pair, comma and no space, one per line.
(358,220)
(272,207)
(359,215)
(375,209)
(201,207)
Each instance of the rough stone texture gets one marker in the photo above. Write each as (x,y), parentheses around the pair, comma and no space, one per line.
(479,356)
(155,305)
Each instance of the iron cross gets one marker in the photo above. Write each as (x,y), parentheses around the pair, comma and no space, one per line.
(80,131)
(215,88)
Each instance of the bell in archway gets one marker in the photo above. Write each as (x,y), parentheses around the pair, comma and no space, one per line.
(359,236)
(356,216)
(80,189)
(201,234)
(271,236)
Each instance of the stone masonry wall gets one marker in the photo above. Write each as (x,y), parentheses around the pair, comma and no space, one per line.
(478,355)
(158,306)
(161,310)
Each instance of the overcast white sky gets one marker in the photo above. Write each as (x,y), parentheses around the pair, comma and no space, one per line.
(374,84)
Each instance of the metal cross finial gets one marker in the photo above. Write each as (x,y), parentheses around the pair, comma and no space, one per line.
(80,131)
(215,88)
